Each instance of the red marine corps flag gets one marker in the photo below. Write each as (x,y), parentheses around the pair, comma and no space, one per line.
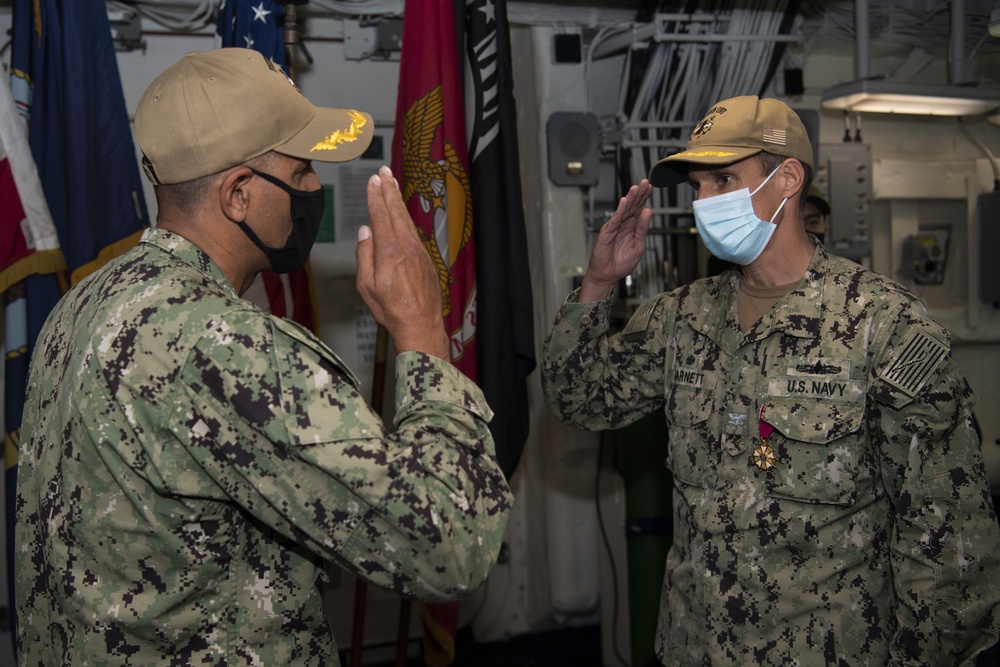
(430,160)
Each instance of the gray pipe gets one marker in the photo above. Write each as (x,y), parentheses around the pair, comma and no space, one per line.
(861,38)
(956,70)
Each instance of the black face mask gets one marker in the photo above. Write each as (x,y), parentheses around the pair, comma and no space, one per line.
(307,208)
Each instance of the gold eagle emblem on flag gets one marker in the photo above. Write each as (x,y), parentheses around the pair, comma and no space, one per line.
(442,186)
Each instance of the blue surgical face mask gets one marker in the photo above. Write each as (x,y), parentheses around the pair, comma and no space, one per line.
(729,227)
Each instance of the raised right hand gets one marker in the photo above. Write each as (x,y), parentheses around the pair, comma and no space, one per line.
(619,245)
(396,277)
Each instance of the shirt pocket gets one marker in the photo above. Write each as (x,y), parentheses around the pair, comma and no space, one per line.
(691,458)
(818,446)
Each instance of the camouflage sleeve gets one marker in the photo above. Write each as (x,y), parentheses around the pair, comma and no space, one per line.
(945,543)
(275,420)
(596,381)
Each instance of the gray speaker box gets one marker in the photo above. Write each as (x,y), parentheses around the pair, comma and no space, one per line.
(574,142)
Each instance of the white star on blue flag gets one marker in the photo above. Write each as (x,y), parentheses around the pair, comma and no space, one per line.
(253,24)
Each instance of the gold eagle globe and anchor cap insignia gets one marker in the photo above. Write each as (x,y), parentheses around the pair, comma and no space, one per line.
(442,186)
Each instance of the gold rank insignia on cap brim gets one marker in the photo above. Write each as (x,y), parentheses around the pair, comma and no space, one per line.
(690,154)
(347,135)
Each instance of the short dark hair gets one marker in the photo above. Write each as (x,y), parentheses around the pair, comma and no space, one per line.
(186,197)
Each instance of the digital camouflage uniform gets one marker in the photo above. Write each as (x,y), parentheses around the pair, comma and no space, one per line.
(189,462)
(871,541)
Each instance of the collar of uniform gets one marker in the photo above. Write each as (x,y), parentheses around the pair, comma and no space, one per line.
(188,253)
(716,317)
(803,307)
(797,314)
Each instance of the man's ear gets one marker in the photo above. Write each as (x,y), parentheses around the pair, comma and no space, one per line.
(794,176)
(234,194)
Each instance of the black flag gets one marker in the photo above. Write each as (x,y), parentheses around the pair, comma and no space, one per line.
(504,327)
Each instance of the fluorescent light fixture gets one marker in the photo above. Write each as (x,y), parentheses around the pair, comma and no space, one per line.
(880,96)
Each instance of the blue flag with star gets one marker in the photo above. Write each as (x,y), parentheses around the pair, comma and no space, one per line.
(66,86)
(253,24)
(260,25)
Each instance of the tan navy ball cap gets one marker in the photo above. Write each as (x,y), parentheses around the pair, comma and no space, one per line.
(735,129)
(217,109)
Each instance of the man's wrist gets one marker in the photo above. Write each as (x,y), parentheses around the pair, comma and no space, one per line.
(591,291)
(436,344)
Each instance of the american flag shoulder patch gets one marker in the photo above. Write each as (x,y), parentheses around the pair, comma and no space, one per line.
(775,136)
(639,321)
(918,356)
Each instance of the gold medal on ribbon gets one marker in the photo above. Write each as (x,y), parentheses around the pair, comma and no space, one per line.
(763,456)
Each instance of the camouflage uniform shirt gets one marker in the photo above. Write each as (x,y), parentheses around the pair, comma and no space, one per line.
(189,462)
(866,534)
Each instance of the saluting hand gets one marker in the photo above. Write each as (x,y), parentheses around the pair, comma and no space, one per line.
(396,277)
(619,245)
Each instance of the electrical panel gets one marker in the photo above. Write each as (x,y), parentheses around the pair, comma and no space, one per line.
(925,255)
(844,173)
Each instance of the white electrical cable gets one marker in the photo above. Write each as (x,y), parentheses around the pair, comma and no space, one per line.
(983,147)
(602,34)
(173,16)
(687,52)
(894,23)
